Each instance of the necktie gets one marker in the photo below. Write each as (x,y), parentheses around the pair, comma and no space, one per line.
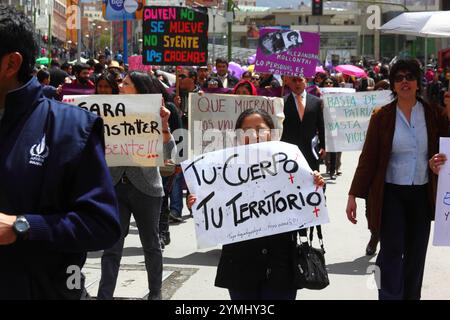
(301,107)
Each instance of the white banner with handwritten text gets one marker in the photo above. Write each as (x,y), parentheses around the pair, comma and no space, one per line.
(347,116)
(252,191)
(132,127)
(442,215)
(216,114)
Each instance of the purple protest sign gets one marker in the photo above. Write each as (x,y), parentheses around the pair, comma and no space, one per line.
(287,52)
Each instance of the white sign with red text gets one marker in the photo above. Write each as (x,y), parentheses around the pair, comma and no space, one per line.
(132,127)
(252,191)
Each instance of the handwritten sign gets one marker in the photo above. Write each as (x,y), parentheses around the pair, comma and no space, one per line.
(287,52)
(442,215)
(132,127)
(175,36)
(135,63)
(252,191)
(347,117)
(219,112)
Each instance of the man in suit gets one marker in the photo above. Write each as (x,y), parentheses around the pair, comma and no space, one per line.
(303,121)
(228,80)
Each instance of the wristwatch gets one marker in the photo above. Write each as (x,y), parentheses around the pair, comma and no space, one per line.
(21,228)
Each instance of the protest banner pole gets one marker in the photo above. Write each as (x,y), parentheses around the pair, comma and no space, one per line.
(125,42)
(177,83)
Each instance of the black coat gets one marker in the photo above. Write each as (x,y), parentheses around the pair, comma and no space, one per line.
(245,265)
(57,76)
(300,132)
(232,80)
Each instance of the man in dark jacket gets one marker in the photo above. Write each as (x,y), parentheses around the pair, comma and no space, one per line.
(228,80)
(56,195)
(57,75)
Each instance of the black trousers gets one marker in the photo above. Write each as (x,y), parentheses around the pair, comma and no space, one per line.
(146,211)
(404,233)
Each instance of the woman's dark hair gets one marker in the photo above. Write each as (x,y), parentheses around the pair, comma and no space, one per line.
(65,66)
(335,83)
(42,75)
(406,66)
(266,117)
(111,79)
(146,84)
(219,82)
(292,34)
(99,68)
(17,35)
(363,85)
(246,74)
(382,85)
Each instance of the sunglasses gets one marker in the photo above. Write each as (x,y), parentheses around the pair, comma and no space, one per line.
(328,82)
(408,77)
(182,76)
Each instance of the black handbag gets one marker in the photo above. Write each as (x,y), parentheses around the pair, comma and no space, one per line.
(309,263)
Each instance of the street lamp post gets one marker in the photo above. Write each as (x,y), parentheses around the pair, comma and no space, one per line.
(214,12)
(93,39)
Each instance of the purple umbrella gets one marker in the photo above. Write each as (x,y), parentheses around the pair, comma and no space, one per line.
(351,70)
(251,59)
(235,69)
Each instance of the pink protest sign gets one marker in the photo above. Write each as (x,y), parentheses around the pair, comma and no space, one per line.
(135,63)
(287,52)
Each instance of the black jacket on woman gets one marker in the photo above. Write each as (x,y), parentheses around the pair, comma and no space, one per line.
(245,265)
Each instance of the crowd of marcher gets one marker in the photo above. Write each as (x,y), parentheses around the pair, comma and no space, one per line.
(65,201)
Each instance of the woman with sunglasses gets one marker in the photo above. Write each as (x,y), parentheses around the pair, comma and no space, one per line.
(393,175)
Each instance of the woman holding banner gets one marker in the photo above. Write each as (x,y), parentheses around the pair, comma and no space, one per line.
(245,87)
(139,192)
(106,84)
(258,269)
(393,175)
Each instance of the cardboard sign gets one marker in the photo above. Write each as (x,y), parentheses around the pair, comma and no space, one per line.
(442,215)
(175,36)
(132,127)
(287,52)
(252,191)
(217,113)
(347,116)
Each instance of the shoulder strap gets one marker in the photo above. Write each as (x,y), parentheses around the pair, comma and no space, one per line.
(319,235)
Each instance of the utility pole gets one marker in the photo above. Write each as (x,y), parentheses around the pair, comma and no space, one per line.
(79,34)
(214,12)
(49,44)
(230,26)
(110,38)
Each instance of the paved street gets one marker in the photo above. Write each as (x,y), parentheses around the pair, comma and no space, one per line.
(189,273)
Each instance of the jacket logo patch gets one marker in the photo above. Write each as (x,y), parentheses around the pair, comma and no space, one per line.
(38,153)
